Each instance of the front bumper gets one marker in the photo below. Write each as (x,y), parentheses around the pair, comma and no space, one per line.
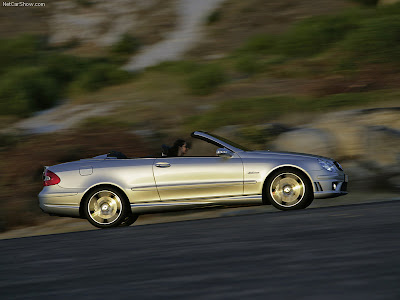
(332,185)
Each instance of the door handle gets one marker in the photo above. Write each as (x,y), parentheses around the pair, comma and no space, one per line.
(162,165)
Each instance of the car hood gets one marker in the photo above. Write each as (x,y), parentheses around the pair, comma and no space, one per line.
(284,154)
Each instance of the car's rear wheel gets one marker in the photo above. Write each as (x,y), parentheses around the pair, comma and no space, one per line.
(106,207)
(289,189)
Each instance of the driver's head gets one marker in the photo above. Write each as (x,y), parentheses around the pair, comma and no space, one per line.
(182,146)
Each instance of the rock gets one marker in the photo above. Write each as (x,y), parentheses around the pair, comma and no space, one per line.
(395,182)
(350,128)
(229,132)
(361,177)
(273,129)
(367,176)
(101,23)
(383,147)
(387,2)
(306,140)
(261,135)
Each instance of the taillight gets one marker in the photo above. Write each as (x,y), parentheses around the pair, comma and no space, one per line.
(50,178)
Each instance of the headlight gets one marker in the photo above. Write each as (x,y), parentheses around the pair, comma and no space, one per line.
(327,165)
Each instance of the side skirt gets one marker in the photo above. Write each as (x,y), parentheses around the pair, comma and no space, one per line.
(173,205)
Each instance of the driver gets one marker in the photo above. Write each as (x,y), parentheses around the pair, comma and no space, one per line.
(180,148)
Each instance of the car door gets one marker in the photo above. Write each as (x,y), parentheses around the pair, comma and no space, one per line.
(198,177)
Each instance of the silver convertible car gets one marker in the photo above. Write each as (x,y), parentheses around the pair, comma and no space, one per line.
(112,191)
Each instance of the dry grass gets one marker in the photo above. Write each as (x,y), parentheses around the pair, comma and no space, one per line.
(21,20)
(20,179)
(240,20)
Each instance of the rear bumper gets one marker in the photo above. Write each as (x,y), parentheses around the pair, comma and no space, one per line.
(58,201)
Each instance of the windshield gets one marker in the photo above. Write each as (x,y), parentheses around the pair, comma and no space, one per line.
(229,142)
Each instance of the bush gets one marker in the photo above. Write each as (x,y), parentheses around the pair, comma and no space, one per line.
(100,75)
(19,51)
(376,41)
(206,79)
(247,111)
(127,44)
(214,17)
(259,44)
(64,68)
(367,2)
(248,64)
(27,90)
(177,67)
(315,35)
(8,140)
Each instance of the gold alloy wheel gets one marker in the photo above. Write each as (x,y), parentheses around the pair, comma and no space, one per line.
(287,189)
(104,207)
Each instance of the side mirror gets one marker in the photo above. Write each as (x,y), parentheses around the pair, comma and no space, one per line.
(224,153)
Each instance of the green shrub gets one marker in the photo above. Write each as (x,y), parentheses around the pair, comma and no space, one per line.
(247,111)
(8,140)
(64,68)
(206,79)
(367,2)
(259,44)
(336,101)
(259,110)
(248,64)
(178,67)
(315,35)
(214,17)
(376,41)
(27,90)
(101,75)
(19,51)
(127,44)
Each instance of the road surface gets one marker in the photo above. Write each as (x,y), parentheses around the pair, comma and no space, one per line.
(342,252)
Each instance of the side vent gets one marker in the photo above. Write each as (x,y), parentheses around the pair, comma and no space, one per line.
(318,187)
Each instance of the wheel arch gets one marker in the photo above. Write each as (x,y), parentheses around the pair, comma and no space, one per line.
(281,167)
(105,185)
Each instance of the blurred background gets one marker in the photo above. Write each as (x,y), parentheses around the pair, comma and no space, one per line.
(79,78)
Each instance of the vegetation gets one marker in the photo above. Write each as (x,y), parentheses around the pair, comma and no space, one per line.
(34,76)
(206,79)
(214,16)
(27,89)
(128,44)
(189,94)
(365,35)
(260,110)
(367,2)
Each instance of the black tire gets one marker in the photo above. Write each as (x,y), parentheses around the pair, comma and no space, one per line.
(288,189)
(106,207)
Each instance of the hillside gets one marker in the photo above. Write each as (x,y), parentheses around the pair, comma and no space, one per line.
(262,69)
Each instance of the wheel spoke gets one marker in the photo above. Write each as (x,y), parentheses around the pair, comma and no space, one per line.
(104,207)
(287,189)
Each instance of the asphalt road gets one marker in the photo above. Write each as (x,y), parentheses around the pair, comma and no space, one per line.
(343,252)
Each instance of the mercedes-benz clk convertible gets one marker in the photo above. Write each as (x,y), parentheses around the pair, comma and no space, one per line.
(113,190)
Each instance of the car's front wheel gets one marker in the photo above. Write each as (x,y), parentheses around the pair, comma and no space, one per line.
(289,189)
(106,207)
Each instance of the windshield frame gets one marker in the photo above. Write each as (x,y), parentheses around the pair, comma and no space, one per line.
(219,141)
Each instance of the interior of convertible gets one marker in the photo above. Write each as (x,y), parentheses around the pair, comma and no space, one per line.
(198,148)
